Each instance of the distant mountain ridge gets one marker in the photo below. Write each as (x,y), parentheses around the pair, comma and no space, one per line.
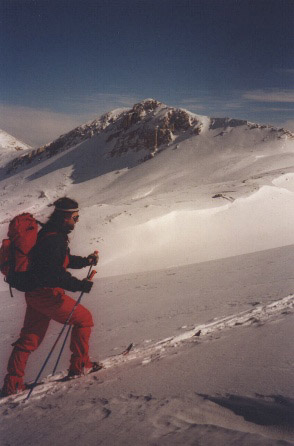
(10,143)
(149,126)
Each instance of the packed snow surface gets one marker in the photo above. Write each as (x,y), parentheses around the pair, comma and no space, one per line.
(192,217)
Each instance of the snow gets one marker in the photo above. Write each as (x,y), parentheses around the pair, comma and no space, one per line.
(196,239)
(10,147)
(8,142)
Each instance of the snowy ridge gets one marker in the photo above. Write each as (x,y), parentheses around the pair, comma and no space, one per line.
(9,143)
(10,148)
(66,141)
(258,315)
(149,126)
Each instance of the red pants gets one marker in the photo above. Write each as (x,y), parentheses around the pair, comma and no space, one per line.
(42,306)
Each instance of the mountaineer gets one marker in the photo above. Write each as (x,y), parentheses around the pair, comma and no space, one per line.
(50,258)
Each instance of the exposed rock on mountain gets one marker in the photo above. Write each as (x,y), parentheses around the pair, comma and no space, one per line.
(149,126)
(225,123)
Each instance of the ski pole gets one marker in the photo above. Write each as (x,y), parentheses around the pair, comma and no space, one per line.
(61,350)
(68,331)
(55,343)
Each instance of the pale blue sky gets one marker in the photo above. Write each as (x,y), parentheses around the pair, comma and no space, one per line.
(66,62)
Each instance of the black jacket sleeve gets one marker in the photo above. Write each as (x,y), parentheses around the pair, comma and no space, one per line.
(48,259)
(77,262)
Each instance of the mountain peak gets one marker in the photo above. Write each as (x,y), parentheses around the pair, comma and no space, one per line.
(145,130)
(148,104)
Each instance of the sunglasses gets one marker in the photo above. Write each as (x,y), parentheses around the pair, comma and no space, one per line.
(75,218)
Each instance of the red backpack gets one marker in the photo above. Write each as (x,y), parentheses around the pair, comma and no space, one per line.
(15,252)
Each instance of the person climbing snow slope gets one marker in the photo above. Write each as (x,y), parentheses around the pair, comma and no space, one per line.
(50,258)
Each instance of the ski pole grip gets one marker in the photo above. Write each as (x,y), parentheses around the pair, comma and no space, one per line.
(92,275)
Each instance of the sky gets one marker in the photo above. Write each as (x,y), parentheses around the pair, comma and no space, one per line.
(66,62)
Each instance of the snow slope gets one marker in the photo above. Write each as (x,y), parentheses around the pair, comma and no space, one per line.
(168,197)
(200,194)
(8,142)
(9,146)
(231,384)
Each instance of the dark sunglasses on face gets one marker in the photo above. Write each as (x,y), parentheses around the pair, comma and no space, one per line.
(76,218)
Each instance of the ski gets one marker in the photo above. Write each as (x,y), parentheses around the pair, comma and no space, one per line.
(96,368)
(62,377)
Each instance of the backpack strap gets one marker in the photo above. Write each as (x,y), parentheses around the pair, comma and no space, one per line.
(47,234)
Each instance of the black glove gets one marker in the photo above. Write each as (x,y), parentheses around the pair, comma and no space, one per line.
(86,286)
(93,259)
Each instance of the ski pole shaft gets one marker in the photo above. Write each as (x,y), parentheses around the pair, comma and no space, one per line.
(45,363)
(61,350)
(89,277)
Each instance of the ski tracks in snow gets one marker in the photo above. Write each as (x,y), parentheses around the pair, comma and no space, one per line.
(154,352)
(256,316)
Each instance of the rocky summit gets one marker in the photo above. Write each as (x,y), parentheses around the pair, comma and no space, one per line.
(149,126)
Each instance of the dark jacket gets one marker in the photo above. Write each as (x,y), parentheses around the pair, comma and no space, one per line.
(51,256)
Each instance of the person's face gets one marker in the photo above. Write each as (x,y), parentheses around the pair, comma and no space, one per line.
(71,221)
